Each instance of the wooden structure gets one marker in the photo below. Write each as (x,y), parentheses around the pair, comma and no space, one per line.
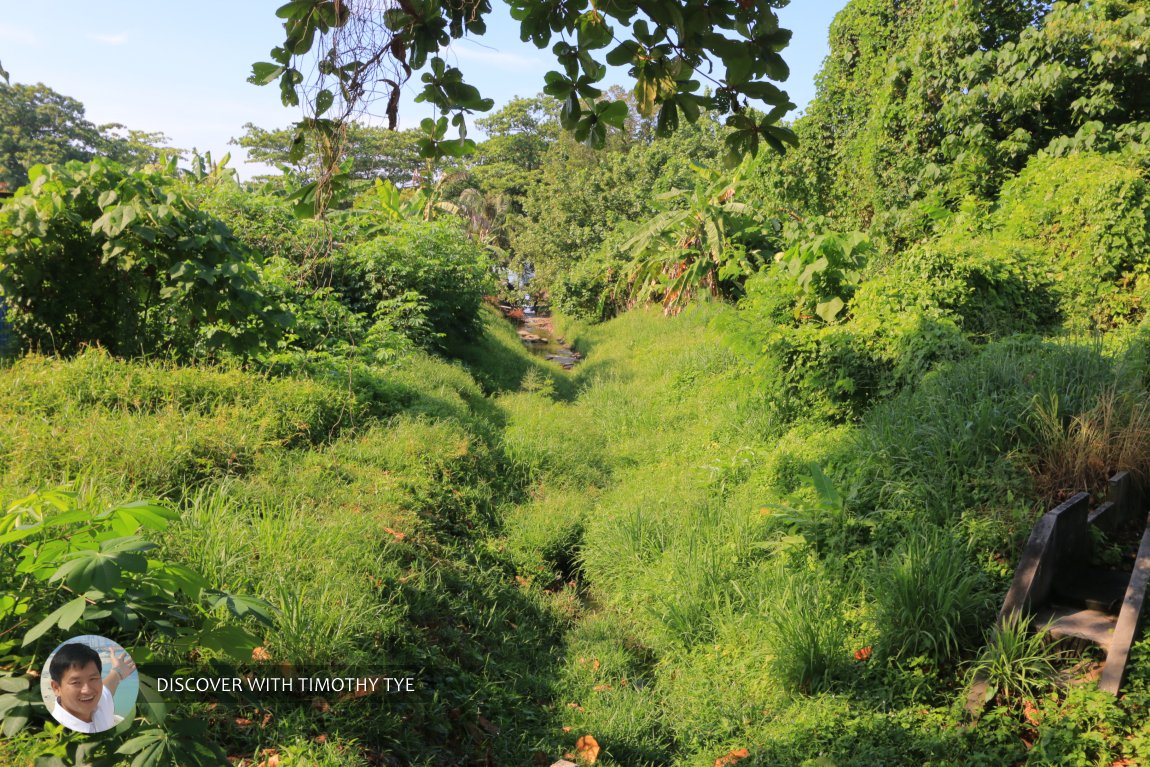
(1076,600)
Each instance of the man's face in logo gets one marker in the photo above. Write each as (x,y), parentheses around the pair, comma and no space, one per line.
(79,691)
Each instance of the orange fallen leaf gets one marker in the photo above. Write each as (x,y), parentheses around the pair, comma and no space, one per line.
(732,757)
(243,722)
(522,581)
(601,688)
(575,706)
(566,729)
(394,533)
(1030,711)
(587,748)
(320,739)
(595,664)
(260,653)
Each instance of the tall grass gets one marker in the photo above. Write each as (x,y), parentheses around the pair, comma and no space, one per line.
(930,599)
(1075,452)
(809,631)
(1018,659)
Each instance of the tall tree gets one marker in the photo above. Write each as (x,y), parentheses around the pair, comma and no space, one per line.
(40,126)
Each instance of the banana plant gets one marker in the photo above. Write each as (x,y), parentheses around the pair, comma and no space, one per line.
(702,240)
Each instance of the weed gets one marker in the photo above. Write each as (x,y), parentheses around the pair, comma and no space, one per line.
(1017,662)
(1080,452)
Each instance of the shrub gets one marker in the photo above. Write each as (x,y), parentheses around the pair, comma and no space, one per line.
(94,254)
(988,285)
(836,372)
(266,224)
(589,290)
(1089,215)
(425,279)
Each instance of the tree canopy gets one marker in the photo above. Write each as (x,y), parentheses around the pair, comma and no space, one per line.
(39,125)
(362,54)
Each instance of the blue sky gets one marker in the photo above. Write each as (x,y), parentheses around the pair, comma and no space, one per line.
(180,68)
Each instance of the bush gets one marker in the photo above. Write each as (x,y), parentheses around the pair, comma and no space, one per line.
(94,254)
(425,279)
(988,285)
(588,290)
(1089,215)
(267,224)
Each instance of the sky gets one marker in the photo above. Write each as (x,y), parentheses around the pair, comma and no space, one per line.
(180,68)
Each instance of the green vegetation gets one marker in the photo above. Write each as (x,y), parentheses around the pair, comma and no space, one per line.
(767,518)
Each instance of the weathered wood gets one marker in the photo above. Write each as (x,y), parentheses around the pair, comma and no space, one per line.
(1077,623)
(1059,537)
(1129,620)
(1120,492)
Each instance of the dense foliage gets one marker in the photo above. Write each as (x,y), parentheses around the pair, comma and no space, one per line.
(94,254)
(799,500)
(670,49)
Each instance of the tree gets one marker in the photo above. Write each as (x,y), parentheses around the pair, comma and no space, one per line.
(374,152)
(582,196)
(669,47)
(702,239)
(40,126)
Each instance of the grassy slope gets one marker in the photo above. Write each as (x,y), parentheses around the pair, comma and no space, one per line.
(709,626)
(366,505)
(586,554)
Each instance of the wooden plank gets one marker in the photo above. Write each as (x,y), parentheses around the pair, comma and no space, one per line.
(1059,537)
(1128,620)
(1092,625)
(1120,492)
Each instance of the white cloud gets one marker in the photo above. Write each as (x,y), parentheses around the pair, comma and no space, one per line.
(118,39)
(17,35)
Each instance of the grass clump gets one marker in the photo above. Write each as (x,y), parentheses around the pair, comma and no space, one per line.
(929,598)
(1017,661)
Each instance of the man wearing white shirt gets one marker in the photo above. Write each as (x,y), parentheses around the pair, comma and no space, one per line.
(84,698)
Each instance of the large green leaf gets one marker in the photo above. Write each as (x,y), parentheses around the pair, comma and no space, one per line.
(241,605)
(65,617)
(829,310)
(102,568)
(264,73)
